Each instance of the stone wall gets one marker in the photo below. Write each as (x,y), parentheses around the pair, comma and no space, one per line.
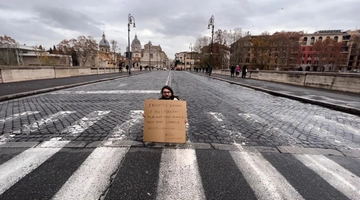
(24,73)
(347,82)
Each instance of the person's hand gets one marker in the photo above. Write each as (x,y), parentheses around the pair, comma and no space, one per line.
(143,115)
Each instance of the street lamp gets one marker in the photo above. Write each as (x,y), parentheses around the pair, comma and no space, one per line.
(130,21)
(191,61)
(149,57)
(211,24)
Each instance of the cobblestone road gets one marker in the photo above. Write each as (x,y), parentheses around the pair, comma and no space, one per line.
(218,112)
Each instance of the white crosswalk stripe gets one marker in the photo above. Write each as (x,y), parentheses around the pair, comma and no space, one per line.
(264,179)
(118,133)
(340,178)
(18,167)
(93,176)
(26,129)
(15,116)
(84,123)
(179,175)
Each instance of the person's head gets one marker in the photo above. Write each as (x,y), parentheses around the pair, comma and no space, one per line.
(167,92)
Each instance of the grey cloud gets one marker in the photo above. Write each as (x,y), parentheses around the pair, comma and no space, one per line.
(175,24)
(68,19)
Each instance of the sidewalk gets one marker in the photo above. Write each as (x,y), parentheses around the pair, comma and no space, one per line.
(25,88)
(336,100)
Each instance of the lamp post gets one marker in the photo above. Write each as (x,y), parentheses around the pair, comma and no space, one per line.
(130,21)
(149,57)
(191,61)
(211,24)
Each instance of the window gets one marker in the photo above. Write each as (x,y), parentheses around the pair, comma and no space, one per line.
(304,49)
(312,41)
(308,62)
(336,38)
(247,60)
(320,38)
(304,41)
(151,56)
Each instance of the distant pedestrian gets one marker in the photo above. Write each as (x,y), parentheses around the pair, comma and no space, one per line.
(140,67)
(232,71)
(243,73)
(237,71)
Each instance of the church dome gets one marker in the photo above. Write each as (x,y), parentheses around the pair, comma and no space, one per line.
(104,42)
(135,41)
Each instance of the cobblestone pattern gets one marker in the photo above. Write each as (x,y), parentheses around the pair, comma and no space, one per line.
(244,115)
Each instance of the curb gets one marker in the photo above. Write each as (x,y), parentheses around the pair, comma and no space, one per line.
(345,109)
(190,145)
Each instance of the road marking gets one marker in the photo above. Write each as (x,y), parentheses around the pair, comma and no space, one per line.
(84,123)
(109,92)
(118,133)
(179,176)
(168,81)
(337,176)
(218,116)
(122,85)
(26,129)
(15,116)
(263,178)
(24,163)
(94,174)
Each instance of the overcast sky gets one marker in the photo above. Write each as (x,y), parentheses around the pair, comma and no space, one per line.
(172,24)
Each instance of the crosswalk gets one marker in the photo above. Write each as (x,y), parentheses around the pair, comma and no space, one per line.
(51,170)
(55,169)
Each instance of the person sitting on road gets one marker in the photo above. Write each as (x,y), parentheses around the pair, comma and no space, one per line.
(168,94)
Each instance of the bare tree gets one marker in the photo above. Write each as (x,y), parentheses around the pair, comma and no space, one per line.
(201,44)
(261,47)
(84,48)
(285,50)
(328,53)
(8,49)
(114,49)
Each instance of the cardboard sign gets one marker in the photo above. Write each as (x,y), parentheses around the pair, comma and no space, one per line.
(165,121)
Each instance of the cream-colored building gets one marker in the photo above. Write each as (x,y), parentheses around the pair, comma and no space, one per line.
(25,55)
(151,55)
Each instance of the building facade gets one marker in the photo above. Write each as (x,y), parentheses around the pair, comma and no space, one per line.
(32,56)
(325,50)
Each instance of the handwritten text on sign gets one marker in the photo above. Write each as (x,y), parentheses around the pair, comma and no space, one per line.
(165,121)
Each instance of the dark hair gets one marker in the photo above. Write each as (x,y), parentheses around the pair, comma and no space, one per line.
(172,93)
